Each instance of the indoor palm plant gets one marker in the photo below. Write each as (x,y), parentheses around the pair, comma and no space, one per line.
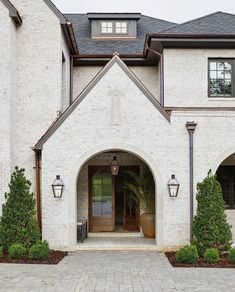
(142,188)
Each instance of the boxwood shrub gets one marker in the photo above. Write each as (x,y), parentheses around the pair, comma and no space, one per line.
(211,255)
(39,251)
(187,255)
(16,251)
(1,251)
(231,255)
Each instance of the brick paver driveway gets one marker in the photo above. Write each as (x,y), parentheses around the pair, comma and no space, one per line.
(114,271)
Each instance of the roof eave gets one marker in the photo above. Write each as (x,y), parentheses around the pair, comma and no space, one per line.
(190,41)
(13,13)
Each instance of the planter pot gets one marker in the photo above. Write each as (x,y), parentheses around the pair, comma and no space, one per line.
(147,222)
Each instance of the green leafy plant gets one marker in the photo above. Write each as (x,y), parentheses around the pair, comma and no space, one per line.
(18,222)
(17,251)
(187,255)
(210,227)
(211,255)
(231,255)
(143,189)
(39,251)
(1,251)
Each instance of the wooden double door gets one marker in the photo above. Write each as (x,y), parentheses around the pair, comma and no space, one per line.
(111,205)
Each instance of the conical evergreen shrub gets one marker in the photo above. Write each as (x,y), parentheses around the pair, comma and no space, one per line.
(210,227)
(18,223)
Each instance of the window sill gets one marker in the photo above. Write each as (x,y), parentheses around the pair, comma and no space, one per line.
(221,98)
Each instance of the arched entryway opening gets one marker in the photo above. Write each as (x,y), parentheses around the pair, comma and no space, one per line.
(103,195)
(72,196)
(225,172)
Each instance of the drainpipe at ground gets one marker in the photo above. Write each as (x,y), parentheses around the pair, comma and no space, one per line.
(191,126)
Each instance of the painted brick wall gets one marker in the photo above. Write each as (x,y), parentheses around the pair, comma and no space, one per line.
(186,77)
(149,76)
(143,127)
(38,80)
(7,95)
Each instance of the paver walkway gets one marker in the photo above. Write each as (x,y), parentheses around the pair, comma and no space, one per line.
(114,271)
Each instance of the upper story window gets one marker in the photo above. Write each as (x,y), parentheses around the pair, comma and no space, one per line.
(106,27)
(121,27)
(221,78)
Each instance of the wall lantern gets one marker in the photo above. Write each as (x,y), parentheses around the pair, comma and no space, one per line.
(57,187)
(114,166)
(173,186)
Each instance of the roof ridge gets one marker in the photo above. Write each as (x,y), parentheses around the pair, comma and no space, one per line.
(192,20)
(158,18)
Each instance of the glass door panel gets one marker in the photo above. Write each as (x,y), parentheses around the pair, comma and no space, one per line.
(102,194)
(101,199)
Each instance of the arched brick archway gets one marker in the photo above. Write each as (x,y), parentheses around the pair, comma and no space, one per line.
(72,187)
(220,158)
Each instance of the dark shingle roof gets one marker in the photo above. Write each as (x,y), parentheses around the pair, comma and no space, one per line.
(216,23)
(86,45)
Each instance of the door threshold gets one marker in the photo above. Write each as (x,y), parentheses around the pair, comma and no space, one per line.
(116,234)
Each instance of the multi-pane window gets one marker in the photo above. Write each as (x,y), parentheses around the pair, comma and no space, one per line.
(121,27)
(106,27)
(221,78)
(226,178)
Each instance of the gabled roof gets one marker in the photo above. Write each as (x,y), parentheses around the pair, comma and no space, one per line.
(218,23)
(89,46)
(13,12)
(90,86)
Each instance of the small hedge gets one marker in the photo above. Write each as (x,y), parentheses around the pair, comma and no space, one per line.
(39,251)
(1,251)
(187,255)
(231,255)
(211,255)
(17,251)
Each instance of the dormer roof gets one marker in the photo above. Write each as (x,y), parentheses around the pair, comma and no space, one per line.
(95,15)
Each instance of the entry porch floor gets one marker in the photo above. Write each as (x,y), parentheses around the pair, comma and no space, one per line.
(117,241)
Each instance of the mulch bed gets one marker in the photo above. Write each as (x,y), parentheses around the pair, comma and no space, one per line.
(223,262)
(54,258)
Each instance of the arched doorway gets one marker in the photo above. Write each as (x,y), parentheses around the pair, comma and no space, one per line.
(113,146)
(226,176)
(103,197)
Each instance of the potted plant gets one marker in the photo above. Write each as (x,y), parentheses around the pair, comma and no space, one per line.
(142,188)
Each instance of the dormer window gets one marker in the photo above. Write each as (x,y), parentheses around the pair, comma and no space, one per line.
(106,27)
(115,26)
(121,27)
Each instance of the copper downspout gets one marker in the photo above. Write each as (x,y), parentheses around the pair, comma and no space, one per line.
(38,156)
(191,126)
(71,80)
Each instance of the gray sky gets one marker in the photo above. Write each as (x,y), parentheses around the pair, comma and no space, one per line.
(173,10)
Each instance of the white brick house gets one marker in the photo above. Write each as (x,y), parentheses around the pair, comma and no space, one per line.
(78,89)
